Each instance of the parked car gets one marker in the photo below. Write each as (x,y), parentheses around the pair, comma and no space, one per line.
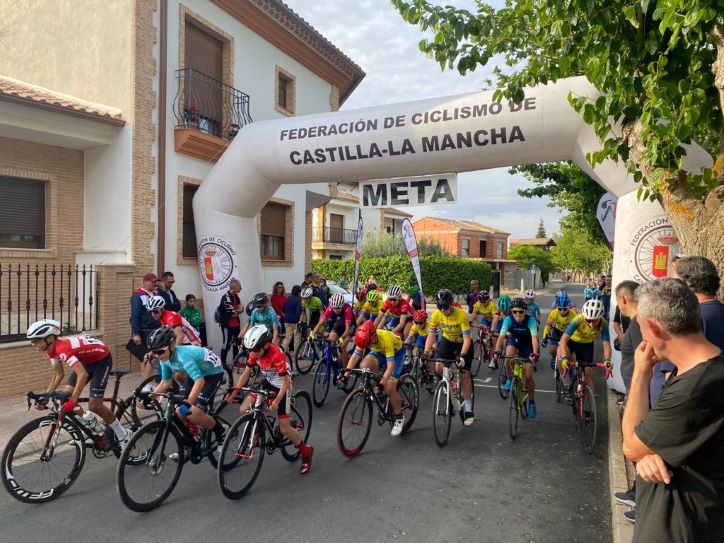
(334,288)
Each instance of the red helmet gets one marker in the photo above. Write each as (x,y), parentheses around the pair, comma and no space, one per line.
(419,316)
(361,295)
(366,334)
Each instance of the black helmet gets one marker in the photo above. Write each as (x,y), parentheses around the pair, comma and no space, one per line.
(444,297)
(161,338)
(260,299)
(518,302)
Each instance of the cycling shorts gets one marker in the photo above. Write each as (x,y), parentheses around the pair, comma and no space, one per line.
(524,349)
(486,322)
(582,351)
(554,336)
(382,362)
(450,350)
(98,374)
(338,326)
(285,405)
(211,385)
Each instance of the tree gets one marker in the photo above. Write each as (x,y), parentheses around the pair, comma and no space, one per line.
(658,63)
(383,244)
(431,247)
(576,250)
(527,256)
(541,233)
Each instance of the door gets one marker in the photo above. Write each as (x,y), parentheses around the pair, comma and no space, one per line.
(336,228)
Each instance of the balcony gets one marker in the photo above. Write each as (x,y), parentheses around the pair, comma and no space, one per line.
(340,236)
(208,115)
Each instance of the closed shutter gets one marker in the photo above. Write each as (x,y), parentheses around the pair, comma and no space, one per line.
(204,54)
(22,212)
(189,230)
(273,219)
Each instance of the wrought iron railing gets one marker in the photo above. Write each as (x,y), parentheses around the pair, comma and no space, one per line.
(334,235)
(209,105)
(29,292)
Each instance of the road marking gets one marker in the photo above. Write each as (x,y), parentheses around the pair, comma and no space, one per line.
(487,379)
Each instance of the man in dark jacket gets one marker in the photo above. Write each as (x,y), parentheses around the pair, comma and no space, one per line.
(230,309)
(166,292)
(142,323)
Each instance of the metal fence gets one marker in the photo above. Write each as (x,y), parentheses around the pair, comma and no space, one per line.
(334,235)
(522,280)
(29,292)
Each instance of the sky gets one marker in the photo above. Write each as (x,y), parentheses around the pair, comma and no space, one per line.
(376,37)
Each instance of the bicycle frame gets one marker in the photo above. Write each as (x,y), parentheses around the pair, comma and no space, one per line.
(368,378)
(261,414)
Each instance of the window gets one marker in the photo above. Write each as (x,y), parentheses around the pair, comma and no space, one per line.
(22,214)
(204,59)
(499,249)
(273,228)
(465,250)
(483,248)
(188,228)
(285,92)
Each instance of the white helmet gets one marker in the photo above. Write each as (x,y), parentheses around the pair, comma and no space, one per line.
(256,337)
(593,309)
(307,293)
(336,301)
(155,303)
(394,292)
(43,329)
(530,294)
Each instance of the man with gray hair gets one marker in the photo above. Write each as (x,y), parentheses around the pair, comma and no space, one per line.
(679,444)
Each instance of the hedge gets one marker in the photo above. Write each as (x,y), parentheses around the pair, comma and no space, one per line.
(437,272)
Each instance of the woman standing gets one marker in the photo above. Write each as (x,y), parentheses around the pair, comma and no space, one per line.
(278,298)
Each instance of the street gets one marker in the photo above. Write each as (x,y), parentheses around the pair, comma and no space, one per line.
(481,487)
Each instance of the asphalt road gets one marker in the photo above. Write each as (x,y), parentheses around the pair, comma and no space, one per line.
(482,487)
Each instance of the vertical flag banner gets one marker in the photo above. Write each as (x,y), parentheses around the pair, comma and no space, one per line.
(408,236)
(606,215)
(357,255)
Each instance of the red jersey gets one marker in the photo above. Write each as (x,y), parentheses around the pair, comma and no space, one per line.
(173,319)
(273,365)
(74,349)
(402,308)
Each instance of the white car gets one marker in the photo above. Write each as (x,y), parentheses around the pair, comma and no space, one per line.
(336,289)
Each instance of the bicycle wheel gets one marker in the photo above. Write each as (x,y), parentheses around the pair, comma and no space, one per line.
(152,409)
(514,409)
(587,422)
(301,420)
(240,361)
(559,387)
(501,379)
(408,391)
(41,461)
(241,456)
(226,414)
(355,423)
(144,485)
(442,413)
(305,357)
(320,386)
(477,359)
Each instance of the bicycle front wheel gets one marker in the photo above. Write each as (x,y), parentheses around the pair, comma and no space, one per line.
(301,420)
(502,378)
(442,413)
(42,460)
(149,467)
(410,398)
(514,409)
(477,359)
(305,357)
(241,456)
(355,423)
(587,422)
(226,413)
(559,386)
(320,386)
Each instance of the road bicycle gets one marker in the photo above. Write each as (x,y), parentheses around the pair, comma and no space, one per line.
(518,406)
(255,434)
(482,350)
(328,371)
(307,354)
(447,400)
(584,403)
(355,417)
(45,456)
(416,366)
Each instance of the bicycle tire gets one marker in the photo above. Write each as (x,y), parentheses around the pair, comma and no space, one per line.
(502,378)
(240,361)
(226,414)
(559,386)
(410,396)
(157,457)
(477,359)
(587,420)
(241,446)
(359,407)
(153,405)
(301,420)
(14,479)
(320,385)
(442,413)
(305,357)
(513,410)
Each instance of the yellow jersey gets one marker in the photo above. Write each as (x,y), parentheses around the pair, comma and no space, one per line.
(372,309)
(558,321)
(453,326)
(486,311)
(419,330)
(582,332)
(387,343)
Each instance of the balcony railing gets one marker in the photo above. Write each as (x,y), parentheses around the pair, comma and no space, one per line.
(209,105)
(335,235)
(65,292)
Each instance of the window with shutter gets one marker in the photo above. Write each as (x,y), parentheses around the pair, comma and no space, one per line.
(22,213)
(273,228)
(204,54)
(188,227)
(286,92)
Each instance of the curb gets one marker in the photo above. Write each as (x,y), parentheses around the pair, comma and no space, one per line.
(621,529)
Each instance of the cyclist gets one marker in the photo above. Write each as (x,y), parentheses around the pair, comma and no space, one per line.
(371,308)
(533,309)
(520,335)
(394,312)
(419,331)
(203,370)
(558,319)
(273,365)
(484,307)
(264,314)
(500,314)
(577,340)
(455,343)
(415,299)
(91,362)
(182,329)
(387,354)
(338,320)
(312,307)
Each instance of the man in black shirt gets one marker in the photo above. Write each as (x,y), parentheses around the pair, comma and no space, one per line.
(702,277)
(678,445)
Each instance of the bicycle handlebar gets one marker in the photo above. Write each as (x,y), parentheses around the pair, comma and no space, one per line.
(41,397)
(371,373)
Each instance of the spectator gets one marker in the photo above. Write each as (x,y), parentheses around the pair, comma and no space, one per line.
(630,339)
(229,310)
(677,445)
(292,312)
(141,322)
(192,314)
(587,292)
(343,282)
(278,297)
(166,292)
(472,296)
(620,325)
(701,276)
(605,293)
(319,290)
(417,302)
(371,281)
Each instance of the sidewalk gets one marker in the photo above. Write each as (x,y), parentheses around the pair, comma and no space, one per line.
(618,479)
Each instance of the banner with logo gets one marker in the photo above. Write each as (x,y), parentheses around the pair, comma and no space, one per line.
(606,215)
(408,236)
(357,255)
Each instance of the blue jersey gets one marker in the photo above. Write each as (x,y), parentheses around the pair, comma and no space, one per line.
(533,310)
(196,362)
(269,318)
(521,333)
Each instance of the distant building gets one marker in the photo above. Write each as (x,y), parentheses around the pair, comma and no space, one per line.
(541,243)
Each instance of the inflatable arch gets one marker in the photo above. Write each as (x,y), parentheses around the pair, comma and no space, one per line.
(452,134)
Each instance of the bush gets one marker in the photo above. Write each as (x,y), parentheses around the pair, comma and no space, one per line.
(437,271)
(383,244)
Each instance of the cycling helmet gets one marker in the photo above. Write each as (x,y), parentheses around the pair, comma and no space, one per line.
(444,297)
(43,329)
(366,334)
(373,296)
(562,301)
(530,294)
(504,304)
(593,309)
(249,309)
(260,299)
(413,291)
(155,303)
(483,296)
(336,301)
(161,338)
(519,302)
(307,293)
(361,295)
(394,292)
(419,316)
(371,286)
(256,337)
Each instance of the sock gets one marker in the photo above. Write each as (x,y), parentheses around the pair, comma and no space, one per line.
(468,406)
(304,448)
(218,429)
(118,429)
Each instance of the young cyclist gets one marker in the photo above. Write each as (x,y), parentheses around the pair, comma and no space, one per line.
(371,308)
(455,343)
(273,365)
(519,333)
(91,362)
(264,314)
(182,329)
(419,331)
(387,354)
(500,314)
(394,312)
(311,307)
(415,299)
(485,308)
(338,320)
(533,309)
(558,319)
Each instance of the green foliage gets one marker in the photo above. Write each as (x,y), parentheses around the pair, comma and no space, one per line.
(579,251)
(437,271)
(651,59)
(383,244)
(431,247)
(541,233)
(527,256)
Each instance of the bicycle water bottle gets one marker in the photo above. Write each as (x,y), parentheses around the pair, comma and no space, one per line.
(454,385)
(92,422)
(192,428)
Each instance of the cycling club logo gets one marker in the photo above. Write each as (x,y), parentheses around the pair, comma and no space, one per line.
(216,258)
(653,245)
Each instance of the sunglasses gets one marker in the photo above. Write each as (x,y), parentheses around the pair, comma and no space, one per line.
(591,321)
(518,312)
(155,310)
(393,300)
(419,323)
(563,309)
(443,307)
(159,351)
